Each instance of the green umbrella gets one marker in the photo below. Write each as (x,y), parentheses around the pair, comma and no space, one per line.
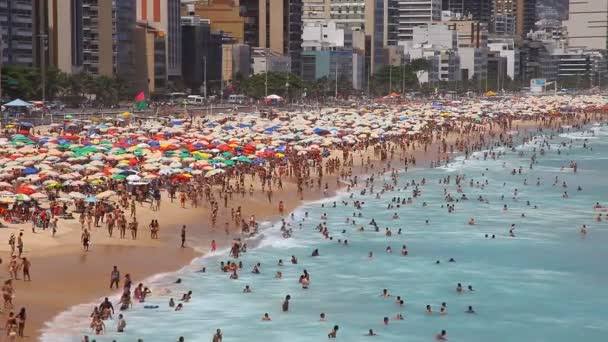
(119,177)
(227,154)
(243,159)
(68,116)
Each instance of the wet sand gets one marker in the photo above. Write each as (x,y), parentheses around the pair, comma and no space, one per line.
(63,275)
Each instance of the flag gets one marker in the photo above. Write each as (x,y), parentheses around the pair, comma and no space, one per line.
(140,101)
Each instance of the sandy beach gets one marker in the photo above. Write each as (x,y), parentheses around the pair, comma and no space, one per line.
(64,275)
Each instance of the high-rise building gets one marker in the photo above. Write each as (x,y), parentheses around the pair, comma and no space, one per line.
(164,16)
(380,32)
(18,20)
(65,35)
(107,37)
(411,14)
(525,16)
(280,29)
(238,18)
(150,58)
(479,10)
(587,24)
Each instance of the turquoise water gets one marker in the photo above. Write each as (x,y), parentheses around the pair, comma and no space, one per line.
(545,284)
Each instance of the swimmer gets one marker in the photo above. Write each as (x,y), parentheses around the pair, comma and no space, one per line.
(442,336)
(385,293)
(389,249)
(315,253)
(280,262)
(247,289)
(266,317)
(370,255)
(385,320)
(459,288)
(398,317)
(470,288)
(443,312)
(171,303)
(470,310)
(294,260)
(278,275)
(179,307)
(285,306)
(404,251)
(334,332)
(429,310)
(583,230)
(371,333)
(471,221)
(322,317)
(451,260)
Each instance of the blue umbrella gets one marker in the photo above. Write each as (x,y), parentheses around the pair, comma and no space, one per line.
(26,124)
(90,199)
(30,171)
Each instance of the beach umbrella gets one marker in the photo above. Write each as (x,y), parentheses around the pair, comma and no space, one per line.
(214,172)
(7,200)
(77,195)
(90,199)
(22,197)
(133,178)
(38,196)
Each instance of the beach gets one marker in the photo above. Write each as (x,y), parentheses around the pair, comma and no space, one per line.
(64,275)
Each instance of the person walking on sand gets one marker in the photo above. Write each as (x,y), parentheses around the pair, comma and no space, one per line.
(11,243)
(13,267)
(21,317)
(183,235)
(26,264)
(213,245)
(85,239)
(133,208)
(20,244)
(114,277)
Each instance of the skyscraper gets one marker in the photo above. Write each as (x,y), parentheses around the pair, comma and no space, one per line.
(479,10)
(107,37)
(238,18)
(410,14)
(17,24)
(164,15)
(525,16)
(280,28)
(65,35)
(587,24)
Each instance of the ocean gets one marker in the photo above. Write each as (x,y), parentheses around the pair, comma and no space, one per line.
(545,284)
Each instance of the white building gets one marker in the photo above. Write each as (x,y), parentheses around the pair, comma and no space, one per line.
(322,35)
(436,34)
(415,13)
(507,49)
(265,60)
(587,24)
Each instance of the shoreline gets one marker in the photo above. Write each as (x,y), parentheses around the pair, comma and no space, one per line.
(86,278)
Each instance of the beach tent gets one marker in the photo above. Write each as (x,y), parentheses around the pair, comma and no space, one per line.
(273,99)
(18,103)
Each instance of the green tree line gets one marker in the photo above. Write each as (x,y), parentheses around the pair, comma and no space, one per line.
(26,83)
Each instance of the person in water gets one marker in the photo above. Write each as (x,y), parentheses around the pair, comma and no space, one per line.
(371,333)
(266,317)
(285,306)
(442,336)
(334,332)
(470,310)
